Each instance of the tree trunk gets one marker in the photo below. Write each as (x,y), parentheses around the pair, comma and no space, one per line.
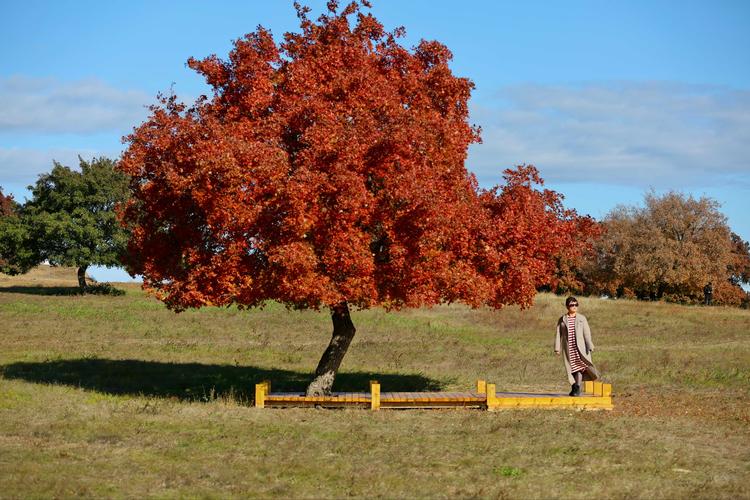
(343,333)
(82,278)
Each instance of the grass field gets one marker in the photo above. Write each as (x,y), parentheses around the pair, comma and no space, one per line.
(116,396)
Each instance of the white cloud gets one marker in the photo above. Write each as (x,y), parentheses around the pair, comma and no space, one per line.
(47,105)
(636,133)
(20,167)
(641,134)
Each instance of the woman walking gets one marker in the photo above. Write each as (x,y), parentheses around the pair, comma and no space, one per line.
(574,336)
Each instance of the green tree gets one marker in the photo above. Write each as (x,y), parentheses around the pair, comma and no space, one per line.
(70,220)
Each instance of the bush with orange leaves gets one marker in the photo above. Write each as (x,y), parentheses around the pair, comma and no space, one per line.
(669,249)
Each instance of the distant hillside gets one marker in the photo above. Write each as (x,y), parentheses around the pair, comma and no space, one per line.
(44,275)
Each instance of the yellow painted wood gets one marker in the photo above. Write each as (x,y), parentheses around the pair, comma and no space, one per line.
(491,396)
(588,386)
(552,401)
(296,398)
(590,400)
(598,388)
(374,395)
(260,390)
(482,386)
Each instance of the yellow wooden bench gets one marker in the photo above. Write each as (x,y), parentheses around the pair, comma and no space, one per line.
(596,396)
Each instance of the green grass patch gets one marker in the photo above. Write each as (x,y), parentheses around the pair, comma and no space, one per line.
(506,471)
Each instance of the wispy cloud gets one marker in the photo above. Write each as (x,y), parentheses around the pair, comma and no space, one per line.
(641,134)
(48,105)
(20,167)
(636,133)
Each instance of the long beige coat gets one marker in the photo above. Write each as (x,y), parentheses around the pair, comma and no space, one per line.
(585,346)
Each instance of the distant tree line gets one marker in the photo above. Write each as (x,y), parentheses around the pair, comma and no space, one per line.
(671,248)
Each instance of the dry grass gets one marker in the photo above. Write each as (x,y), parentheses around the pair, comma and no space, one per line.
(49,276)
(115,396)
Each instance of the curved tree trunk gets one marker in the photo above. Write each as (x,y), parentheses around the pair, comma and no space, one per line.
(343,333)
(82,278)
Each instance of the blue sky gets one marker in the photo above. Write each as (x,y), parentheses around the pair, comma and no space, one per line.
(607,99)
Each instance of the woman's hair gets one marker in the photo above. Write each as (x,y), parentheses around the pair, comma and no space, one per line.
(569,300)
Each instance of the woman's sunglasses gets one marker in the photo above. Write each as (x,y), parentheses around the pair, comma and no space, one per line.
(572,305)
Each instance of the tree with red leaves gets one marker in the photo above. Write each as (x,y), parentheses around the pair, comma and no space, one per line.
(8,233)
(7,204)
(328,172)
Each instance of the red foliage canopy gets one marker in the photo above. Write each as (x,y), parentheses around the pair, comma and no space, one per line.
(330,169)
(7,205)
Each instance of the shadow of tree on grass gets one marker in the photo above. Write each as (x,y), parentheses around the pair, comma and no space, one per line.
(193,381)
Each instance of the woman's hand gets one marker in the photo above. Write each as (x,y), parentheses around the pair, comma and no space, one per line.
(557,352)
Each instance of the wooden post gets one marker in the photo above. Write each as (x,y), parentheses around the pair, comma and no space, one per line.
(374,395)
(598,388)
(260,396)
(588,387)
(491,397)
(607,390)
(481,386)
